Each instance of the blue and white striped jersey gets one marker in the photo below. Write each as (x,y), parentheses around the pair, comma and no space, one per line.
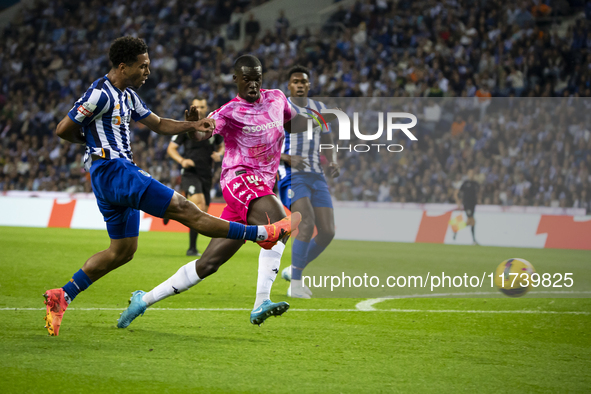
(298,143)
(104,112)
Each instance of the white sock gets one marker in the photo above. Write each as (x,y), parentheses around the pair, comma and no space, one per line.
(261,233)
(184,278)
(269,261)
(296,284)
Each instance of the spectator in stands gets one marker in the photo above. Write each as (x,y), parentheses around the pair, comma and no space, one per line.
(457,127)
(281,24)
(252,27)
(383,49)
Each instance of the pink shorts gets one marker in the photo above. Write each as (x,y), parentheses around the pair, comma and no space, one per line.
(239,192)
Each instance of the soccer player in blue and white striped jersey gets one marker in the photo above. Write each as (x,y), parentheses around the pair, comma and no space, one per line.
(302,186)
(100,120)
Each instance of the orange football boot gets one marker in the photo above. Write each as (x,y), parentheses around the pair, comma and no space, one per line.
(56,306)
(278,230)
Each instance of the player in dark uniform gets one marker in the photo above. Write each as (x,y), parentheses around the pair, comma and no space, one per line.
(197,162)
(469,190)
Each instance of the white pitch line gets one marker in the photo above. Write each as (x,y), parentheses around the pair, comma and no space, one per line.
(319,310)
(473,311)
(368,304)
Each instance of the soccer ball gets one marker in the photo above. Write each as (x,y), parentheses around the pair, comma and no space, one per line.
(517,284)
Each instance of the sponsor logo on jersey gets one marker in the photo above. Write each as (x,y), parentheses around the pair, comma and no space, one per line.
(144,173)
(290,193)
(117,120)
(262,127)
(236,186)
(241,193)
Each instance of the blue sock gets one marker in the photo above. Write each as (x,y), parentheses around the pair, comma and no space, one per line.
(299,255)
(240,231)
(79,282)
(314,250)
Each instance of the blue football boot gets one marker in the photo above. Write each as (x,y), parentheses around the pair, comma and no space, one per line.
(136,307)
(267,309)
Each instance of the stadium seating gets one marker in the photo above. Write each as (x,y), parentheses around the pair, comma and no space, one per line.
(468,50)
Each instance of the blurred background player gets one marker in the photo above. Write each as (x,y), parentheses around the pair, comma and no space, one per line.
(100,120)
(469,190)
(252,125)
(197,172)
(302,186)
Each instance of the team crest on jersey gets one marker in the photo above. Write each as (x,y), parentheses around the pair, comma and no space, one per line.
(144,173)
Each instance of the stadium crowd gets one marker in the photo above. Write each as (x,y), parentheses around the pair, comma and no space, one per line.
(375,48)
(528,152)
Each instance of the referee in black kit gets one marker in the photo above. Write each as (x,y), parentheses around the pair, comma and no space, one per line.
(469,190)
(197,172)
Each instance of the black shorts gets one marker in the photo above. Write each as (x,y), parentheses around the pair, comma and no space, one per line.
(469,210)
(195,184)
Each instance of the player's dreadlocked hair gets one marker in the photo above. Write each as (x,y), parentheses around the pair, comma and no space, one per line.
(298,69)
(126,50)
(246,61)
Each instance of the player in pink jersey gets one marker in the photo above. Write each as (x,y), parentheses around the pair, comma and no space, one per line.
(252,125)
(262,122)
(254,137)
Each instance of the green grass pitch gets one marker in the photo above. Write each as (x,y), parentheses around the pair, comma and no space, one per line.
(321,345)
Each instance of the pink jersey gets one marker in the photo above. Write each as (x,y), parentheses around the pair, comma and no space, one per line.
(253,134)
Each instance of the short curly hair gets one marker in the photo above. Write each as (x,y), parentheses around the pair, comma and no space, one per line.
(298,69)
(126,50)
